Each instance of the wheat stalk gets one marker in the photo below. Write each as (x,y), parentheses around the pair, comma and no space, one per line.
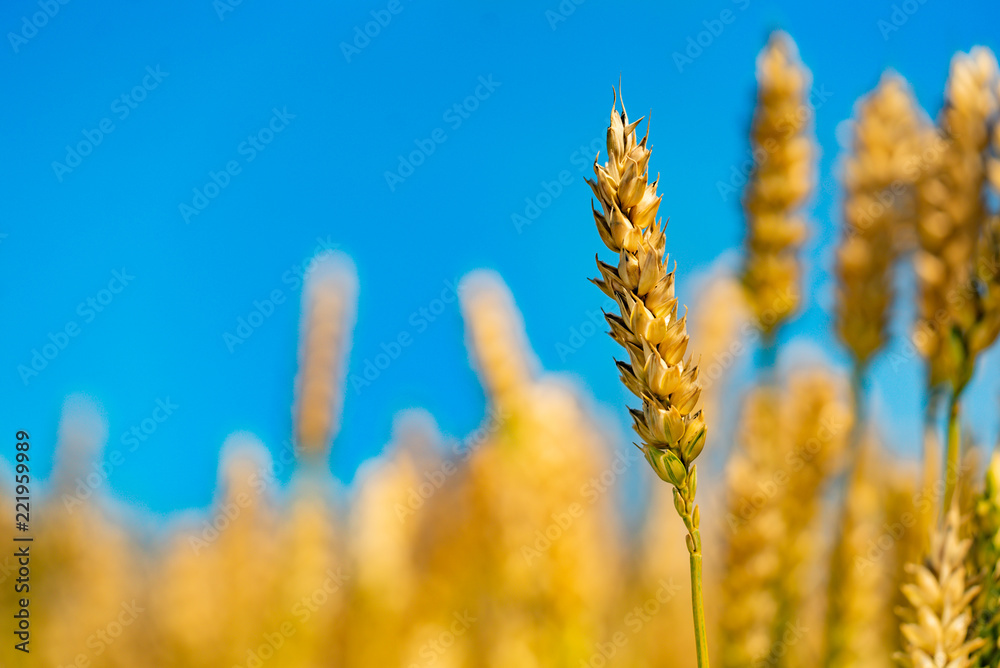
(939,614)
(648,327)
(780,184)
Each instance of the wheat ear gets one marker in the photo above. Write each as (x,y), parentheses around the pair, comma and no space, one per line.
(671,428)
(939,614)
(878,192)
(782,180)
(329,303)
(951,216)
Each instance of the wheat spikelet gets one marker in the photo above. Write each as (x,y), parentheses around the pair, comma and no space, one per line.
(757,533)
(951,217)
(878,179)
(784,153)
(939,614)
(328,310)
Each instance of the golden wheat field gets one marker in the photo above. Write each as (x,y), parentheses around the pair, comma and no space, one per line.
(808,542)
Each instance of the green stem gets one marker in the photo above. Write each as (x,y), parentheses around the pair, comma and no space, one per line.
(697,597)
(698,610)
(953,454)
(930,418)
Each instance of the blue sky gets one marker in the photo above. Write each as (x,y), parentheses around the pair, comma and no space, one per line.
(226,144)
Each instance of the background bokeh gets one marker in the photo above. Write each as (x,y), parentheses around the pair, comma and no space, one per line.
(321,182)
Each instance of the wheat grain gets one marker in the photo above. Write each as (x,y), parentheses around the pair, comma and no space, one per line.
(783,178)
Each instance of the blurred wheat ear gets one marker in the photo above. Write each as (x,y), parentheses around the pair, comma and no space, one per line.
(784,174)
(879,183)
(329,304)
(958,303)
